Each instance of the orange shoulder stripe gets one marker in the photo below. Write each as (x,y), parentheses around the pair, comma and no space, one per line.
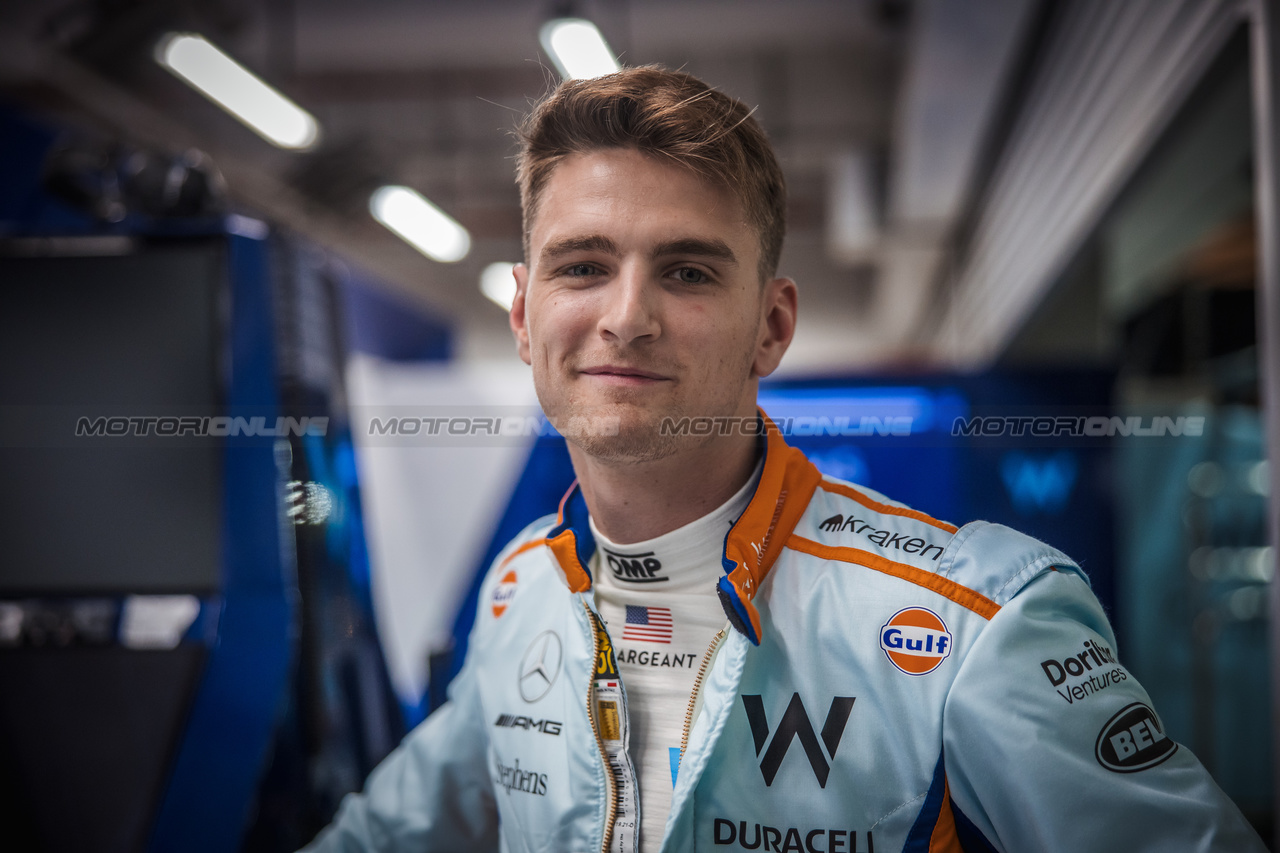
(528,546)
(962,595)
(888,509)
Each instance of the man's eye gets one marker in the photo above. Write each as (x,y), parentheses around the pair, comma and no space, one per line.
(581,270)
(690,275)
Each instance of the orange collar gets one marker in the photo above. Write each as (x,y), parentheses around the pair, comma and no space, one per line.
(787,482)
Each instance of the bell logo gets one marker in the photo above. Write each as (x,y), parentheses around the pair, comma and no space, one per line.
(795,724)
(1133,740)
(503,593)
(915,640)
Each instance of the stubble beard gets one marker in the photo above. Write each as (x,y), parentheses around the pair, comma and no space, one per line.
(621,433)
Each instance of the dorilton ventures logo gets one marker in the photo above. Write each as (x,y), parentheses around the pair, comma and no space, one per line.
(514,779)
(1133,740)
(795,724)
(1094,656)
(540,666)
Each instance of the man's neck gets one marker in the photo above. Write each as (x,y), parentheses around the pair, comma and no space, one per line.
(633,502)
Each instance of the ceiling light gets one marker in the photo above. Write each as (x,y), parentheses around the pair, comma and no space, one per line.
(577,48)
(237,90)
(853,221)
(420,223)
(497,283)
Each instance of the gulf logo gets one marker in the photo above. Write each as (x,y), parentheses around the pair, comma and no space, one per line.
(915,640)
(503,593)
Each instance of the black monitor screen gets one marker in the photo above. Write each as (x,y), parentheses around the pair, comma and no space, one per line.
(129,335)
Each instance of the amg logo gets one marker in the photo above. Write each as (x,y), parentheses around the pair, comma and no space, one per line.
(513,721)
(635,568)
(795,723)
(883,538)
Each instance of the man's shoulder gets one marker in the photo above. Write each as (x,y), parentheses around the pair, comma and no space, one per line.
(523,564)
(531,537)
(852,521)
(521,553)
(845,522)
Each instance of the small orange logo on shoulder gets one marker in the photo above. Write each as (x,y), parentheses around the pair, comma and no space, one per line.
(915,640)
(503,593)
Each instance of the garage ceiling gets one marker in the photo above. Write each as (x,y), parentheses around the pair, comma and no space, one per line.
(426,92)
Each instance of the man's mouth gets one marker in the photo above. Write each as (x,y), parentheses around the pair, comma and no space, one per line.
(622,374)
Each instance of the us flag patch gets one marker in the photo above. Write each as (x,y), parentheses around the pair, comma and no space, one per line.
(648,624)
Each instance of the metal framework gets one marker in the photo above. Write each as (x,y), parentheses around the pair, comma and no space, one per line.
(1264,34)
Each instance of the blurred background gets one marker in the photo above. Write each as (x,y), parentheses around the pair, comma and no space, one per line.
(262,425)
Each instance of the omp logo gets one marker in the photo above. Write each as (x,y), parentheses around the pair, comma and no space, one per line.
(1039,483)
(540,666)
(503,593)
(635,568)
(1133,740)
(915,640)
(795,724)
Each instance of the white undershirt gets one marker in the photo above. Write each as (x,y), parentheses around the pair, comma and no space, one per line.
(667,586)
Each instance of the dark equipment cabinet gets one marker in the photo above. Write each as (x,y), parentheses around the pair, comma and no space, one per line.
(188,659)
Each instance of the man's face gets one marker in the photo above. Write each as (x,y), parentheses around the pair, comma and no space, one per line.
(641,301)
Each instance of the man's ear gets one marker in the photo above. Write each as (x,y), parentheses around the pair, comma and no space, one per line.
(519,321)
(778,325)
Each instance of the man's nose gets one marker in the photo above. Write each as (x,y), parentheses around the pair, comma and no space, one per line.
(630,310)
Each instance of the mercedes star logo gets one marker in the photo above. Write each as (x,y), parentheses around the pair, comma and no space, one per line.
(540,666)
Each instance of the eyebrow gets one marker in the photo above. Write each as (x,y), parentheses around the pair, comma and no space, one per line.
(569,245)
(712,249)
(699,247)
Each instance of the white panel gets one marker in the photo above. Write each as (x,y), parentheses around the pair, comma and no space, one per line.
(430,506)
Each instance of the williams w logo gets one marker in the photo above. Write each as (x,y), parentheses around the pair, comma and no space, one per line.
(1039,484)
(795,724)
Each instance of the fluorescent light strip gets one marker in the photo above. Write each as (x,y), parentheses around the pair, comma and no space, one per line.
(497,283)
(420,223)
(238,91)
(577,49)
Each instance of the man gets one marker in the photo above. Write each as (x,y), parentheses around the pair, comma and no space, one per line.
(712,646)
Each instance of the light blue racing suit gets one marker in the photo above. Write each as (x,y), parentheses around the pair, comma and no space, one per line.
(885,682)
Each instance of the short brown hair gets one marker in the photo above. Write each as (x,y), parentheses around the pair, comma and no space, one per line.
(665,114)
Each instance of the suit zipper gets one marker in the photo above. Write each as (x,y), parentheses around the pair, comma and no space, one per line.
(610,786)
(697,685)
